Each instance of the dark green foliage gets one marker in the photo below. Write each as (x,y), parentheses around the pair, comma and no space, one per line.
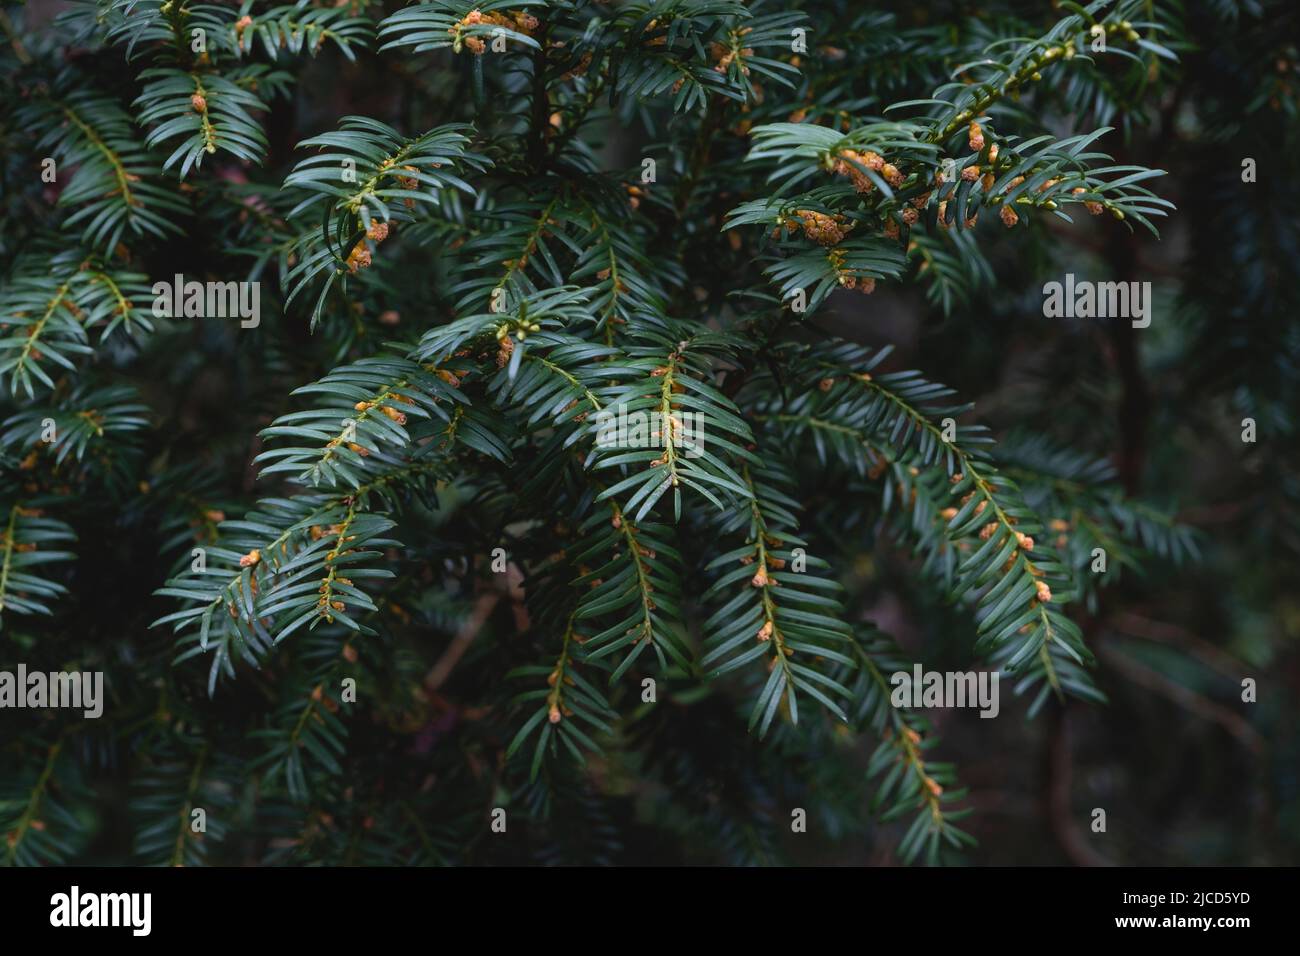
(365,571)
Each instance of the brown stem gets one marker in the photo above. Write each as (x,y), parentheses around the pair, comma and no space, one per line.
(1197,704)
(1060,815)
(1162,632)
(15,40)
(483,609)
(541,118)
(1135,401)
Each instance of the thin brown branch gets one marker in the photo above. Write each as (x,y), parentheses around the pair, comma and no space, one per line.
(1162,632)
(483,608)
(1188,699)
(1060,814)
